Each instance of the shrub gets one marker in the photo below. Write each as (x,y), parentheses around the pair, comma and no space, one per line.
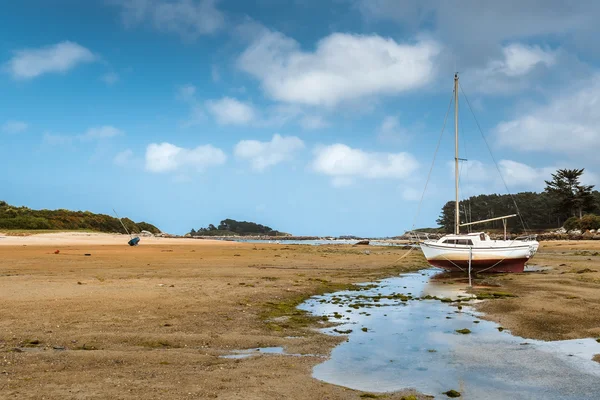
(589,221)
(571,223)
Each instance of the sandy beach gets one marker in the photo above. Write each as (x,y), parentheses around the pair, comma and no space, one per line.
(153,321)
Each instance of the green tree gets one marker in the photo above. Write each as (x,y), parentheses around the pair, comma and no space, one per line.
(572,197)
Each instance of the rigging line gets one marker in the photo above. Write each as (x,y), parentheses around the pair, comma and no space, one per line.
(437,147)
(494,159)
(121,221)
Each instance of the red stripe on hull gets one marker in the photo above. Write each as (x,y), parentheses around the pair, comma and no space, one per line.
(506,265)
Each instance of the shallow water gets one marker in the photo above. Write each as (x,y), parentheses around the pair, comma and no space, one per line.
(316,242)
(254,352)
(414,344)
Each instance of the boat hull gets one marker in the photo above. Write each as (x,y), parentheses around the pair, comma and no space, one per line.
(490,265)
(495,258)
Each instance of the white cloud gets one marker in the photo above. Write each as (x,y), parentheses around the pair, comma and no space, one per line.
(229,111)
(57,58)
(186,18)
(477,177)
(391,130)
(262,155)
(123,158)
(166,157)
(520,59)
(521,175)
(313,122)
(512,71)
(569,124)
(101,132)
(471,171)
(344,163)
(110,78)
(342,67)
(14,127)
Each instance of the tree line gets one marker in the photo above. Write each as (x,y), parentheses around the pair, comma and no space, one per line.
(564,202)
(12,217)
(229,227)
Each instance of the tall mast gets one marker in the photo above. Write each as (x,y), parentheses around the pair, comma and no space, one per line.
(456,211)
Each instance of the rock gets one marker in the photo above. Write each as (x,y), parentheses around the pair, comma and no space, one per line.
(361,243)
(575,232)
(596,237)
(583,271)
(452,393)
(588,235)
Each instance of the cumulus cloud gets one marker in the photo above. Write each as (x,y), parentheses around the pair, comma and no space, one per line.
(512,71)
(166,157)
(101,132)
(262,155)
(57,58)
(186,18)
(343,164)
(230,111)
(342,67)
(568,124)
(14,127)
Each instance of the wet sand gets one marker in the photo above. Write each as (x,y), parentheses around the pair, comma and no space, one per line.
(152,321)
(562,302)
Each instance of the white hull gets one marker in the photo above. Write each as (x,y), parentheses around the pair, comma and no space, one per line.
(490,255)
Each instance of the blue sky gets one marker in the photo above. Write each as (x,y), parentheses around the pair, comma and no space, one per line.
(312,117)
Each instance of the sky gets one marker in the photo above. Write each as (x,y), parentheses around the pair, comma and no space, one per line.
(314,117)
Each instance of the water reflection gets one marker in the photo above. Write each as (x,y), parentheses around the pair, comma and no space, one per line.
(414,344)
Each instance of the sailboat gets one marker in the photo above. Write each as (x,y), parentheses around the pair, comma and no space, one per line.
(476,252)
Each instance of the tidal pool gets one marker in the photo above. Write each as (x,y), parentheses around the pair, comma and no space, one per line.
(397,344)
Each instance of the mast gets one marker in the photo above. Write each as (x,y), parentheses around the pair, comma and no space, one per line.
(456,210)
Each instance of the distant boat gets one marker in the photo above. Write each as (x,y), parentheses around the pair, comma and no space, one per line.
(476,251)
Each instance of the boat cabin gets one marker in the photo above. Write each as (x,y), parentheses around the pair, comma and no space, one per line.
(468,239)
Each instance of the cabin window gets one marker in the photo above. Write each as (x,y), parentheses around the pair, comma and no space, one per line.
(482,236)
(467,242)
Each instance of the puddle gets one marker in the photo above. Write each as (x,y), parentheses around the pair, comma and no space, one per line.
(414,344)
(254,352)
(246,353)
